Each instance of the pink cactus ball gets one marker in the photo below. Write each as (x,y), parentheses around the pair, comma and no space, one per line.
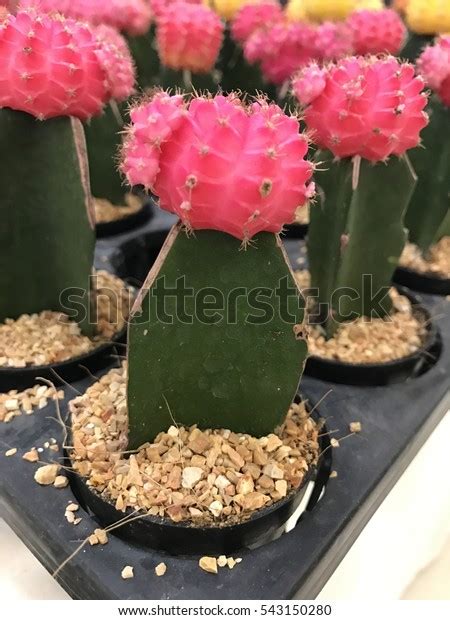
(131,16)
(434,66)
(189,36)
(371,107)
(117,63)
(332,40)
(159,6)
(281,50)
(50,67)
(219,163)
(308,83)
(377,32)
(253,16)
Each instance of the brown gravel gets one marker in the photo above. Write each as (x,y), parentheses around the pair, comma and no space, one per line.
(105,211)
(127,572)
(208,477)
(367,341)
(355,427)
(14,403)
(437,263)
(302,215)
(208,564)
(46,474)
(50,337)
(160,569)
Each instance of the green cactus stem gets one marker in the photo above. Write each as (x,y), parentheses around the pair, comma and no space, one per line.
(414,46)
(357,235)
(192,362)
(431,199)
(328,222)
(47,233)
(103,139)
(376,236)
(444,229)
(237,73)
(146,59)
(187,81)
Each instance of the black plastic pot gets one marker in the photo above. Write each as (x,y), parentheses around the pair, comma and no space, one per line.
(185,539)
(424,283)
(125,224)
(158,533)
(134,258)
(387,373)
(66,371)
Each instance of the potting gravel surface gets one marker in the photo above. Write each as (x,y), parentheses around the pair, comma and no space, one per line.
(208,477)
(50,337)
(368,341)
(436,264)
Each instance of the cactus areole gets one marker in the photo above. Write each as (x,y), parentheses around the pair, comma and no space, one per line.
(364,113)
(51,76)
(234,174)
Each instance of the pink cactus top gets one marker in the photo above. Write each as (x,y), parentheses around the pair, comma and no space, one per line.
(434,66)
(188,36)
(218,163)
(367,106)
(131,16)
(375,32)
(52,66)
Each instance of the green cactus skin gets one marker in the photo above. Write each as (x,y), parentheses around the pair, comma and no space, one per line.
(146,59)
(186,81)
(414,46)
(237,73)
(215,371)
(444,229)
(431,200)
(47,232)
(357,231)
(328,222)
(376,234)
(103,139)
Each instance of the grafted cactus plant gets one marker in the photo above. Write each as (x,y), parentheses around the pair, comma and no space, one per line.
(51,77)
(364,113)
(103,132)
(215,337)
(428,218)
(188,38)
